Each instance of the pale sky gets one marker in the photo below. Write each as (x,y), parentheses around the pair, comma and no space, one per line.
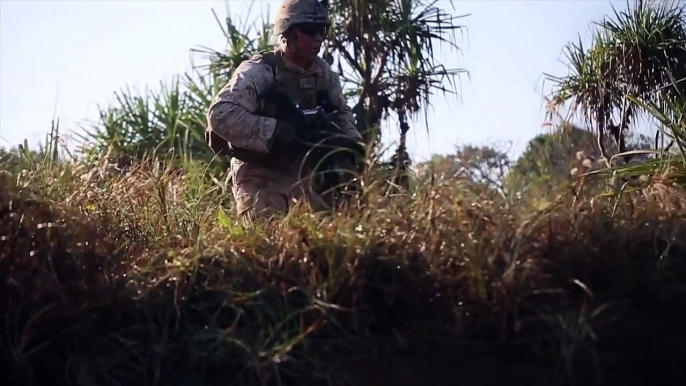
(65,58)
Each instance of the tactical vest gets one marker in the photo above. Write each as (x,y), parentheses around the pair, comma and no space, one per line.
(307,90)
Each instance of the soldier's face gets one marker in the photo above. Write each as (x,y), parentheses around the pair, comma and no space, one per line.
(309,39)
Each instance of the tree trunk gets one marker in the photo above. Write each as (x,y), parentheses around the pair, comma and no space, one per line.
(402,160)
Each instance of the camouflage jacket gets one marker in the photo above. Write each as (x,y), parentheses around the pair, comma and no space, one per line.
(232,113)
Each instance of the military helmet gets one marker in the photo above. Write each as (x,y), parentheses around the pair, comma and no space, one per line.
(294,12)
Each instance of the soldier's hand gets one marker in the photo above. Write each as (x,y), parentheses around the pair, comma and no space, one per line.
(268,109)
(274,103)
(284,133)
(318,120)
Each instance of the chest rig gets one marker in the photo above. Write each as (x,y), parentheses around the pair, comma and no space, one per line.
(308,90)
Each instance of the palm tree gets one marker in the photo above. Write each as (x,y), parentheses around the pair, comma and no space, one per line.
(384,49)
(172,119)
(241,45)
(637,56)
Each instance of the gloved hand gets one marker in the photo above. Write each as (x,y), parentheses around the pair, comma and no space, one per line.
(283,137)
(285,133)
(318,119)
(275,104)
(271,109)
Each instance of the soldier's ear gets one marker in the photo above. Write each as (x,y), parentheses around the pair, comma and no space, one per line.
(290,35)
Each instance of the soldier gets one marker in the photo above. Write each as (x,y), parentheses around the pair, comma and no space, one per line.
(266,171)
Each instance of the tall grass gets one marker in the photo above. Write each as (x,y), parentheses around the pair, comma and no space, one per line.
(145,277)
(137,272)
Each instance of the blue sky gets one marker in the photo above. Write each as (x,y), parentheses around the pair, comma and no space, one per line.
(65,58)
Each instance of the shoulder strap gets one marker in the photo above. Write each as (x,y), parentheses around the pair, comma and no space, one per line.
(269,57)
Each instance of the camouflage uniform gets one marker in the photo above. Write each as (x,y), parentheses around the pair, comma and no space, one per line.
(268,178)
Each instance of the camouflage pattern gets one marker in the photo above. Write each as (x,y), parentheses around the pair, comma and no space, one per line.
(294,12)
(273,186)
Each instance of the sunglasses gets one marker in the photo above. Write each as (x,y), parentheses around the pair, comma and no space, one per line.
(312,29)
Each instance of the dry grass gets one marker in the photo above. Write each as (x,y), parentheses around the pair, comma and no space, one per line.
(141,278)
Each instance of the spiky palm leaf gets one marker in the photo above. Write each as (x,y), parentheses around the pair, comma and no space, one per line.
(241,45)
(172,118)
(630,57)
(385,51)
(169,119)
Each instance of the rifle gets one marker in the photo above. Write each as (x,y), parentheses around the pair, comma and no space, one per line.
(316,132)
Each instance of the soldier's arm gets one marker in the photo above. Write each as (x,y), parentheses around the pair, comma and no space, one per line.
(233,111)
(344,117)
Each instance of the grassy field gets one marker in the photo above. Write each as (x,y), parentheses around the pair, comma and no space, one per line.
(146,278)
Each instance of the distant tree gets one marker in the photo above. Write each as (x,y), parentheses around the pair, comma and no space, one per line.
(551,159)
(439,168)
(638,55)
(485,166)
